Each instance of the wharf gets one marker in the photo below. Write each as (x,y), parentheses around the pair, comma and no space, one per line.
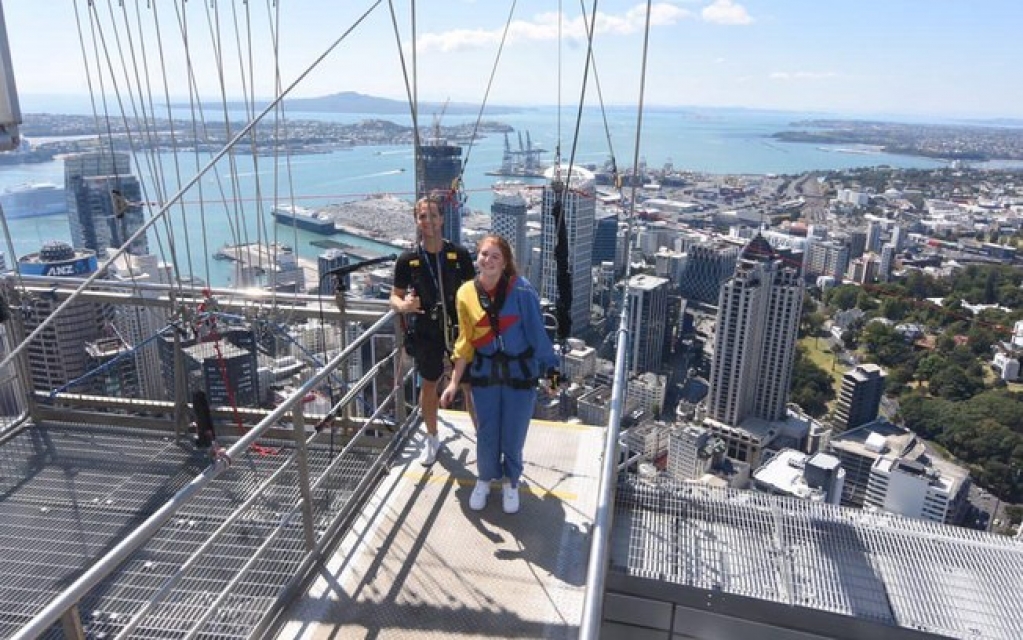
(251,255)
(264,258)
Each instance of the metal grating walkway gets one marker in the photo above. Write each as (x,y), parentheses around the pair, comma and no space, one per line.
(877,567)
(419,564)
(69,493)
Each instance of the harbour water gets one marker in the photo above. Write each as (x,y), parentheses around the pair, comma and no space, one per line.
(220,211)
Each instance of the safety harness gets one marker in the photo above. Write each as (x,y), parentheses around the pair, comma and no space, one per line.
(500,361)
(424,271)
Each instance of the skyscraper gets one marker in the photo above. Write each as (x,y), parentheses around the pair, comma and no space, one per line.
(873,236)
(508,219)
(755,340)
(58,355)
(706,266)
(137,324)
(827,258)
(104,207)
(578,206)
(605,237)
(440,165)
(648,314)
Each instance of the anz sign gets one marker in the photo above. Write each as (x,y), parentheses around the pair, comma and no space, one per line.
(61,270)
(78,267)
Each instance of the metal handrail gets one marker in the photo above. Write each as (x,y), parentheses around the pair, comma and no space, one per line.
(596,567)
(68,599)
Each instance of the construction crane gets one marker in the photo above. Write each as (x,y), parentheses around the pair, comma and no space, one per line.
(437,137)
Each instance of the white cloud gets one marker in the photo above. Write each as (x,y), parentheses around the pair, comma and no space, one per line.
(726,12)
(802,75)
(544,27)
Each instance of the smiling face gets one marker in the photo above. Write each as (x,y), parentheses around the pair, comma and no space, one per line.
(490,260)
(429,220)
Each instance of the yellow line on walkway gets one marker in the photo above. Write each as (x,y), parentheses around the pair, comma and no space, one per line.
(443,478)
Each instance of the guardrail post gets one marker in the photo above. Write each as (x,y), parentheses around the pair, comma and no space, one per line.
(302,462)
(71,621)
(401,399)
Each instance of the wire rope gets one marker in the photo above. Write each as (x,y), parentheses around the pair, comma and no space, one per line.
(600,99)
(281,132)
(118,223)
(411,89)
(87,282)
(175,155)
(490,83)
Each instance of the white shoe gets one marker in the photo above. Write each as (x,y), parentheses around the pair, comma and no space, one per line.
(510,498)
(430,453)
(478,499)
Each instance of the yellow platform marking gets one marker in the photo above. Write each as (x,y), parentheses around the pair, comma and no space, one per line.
(435,478)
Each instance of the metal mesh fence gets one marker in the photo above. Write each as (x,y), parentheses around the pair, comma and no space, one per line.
(875,566)
(71,492)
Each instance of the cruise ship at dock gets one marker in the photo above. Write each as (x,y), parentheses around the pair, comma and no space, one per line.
(31,200)
(304,218)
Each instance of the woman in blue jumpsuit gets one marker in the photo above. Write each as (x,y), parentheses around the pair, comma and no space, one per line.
(502,349)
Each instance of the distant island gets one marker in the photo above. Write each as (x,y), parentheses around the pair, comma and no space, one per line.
(353,102)
(973,143)
(72,133)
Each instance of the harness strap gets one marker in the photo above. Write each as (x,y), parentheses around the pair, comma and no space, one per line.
(500,370)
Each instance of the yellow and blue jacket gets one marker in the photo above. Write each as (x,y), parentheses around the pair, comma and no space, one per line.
(519,353)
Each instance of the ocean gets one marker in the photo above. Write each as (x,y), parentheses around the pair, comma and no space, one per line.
(718,141)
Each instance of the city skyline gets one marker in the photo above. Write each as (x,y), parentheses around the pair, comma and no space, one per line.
(952,60)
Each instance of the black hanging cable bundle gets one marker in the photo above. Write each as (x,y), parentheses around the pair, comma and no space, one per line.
(563,308)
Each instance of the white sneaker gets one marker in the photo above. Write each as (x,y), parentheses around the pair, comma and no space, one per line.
(478,499)
(430,453)
(510,498)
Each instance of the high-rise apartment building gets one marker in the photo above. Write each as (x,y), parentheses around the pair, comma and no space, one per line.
(827,258)
(138,324)
(440,165)
(860,397)
(578,206)
(104,202)
(605,237)
(857,242)
(648,314)
(873,236)
(58,355)
(706,267)
(755,338)
(508,219)
(864,270)
(886,263)
(898,239)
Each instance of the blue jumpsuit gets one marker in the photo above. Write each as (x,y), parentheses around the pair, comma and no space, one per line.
(503,371)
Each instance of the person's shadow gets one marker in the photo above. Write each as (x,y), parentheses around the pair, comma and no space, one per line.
(541,535)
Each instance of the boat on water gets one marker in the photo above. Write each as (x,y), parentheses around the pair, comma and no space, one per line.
(32,200)
(303,218)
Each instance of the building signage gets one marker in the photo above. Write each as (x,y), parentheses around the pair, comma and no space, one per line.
(68,268)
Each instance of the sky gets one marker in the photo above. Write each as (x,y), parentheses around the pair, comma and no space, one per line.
(942,58)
